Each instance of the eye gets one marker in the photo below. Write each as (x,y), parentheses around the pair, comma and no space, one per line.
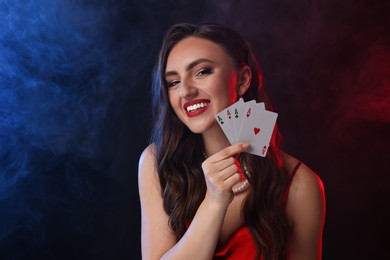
(203,72)
(173,83)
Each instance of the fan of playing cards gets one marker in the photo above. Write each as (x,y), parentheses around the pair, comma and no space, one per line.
(248,122)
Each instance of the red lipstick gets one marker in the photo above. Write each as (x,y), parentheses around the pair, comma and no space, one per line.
(196,107)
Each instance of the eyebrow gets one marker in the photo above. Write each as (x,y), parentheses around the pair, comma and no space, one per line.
(189,66)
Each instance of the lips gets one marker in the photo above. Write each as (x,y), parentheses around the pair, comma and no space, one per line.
(196,107)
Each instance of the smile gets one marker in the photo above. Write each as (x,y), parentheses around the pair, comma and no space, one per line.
(196,107)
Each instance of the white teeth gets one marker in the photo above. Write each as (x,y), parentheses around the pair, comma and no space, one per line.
(196,106)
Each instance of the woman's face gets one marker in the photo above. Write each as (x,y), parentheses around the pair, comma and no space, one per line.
(202,81)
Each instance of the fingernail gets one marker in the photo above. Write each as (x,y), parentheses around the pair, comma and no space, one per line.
(245,146)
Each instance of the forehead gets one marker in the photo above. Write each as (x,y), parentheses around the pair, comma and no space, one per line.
(193,48)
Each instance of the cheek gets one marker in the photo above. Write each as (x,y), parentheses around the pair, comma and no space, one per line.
(173,100)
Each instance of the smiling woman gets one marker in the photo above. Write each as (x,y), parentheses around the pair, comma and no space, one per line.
(195,196)
(204,81)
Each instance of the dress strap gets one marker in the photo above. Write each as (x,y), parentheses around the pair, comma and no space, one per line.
(294,171)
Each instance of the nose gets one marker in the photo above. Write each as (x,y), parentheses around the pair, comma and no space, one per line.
(187,89)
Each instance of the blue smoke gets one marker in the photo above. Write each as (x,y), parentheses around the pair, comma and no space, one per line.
(56,79)
(74,78)
(74,104)
(50,71)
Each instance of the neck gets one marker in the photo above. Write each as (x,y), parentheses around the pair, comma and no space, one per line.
(214,140)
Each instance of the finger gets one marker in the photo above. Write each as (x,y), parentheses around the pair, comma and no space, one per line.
(226,173)
(223,164)
(215,167)
(232,180)
(229,151)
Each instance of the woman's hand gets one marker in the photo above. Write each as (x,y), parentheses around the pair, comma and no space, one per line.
(222,172)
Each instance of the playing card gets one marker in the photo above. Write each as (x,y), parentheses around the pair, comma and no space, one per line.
(224,119)
(257,129)
(248,122)
(243,111)
(237,109)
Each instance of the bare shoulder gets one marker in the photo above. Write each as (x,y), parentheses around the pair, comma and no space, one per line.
(305,209)
(306,197)
(305,182)
(147,171)
(305,206)
(148,155)
(147,160)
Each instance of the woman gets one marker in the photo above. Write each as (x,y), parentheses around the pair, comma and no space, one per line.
(195,203)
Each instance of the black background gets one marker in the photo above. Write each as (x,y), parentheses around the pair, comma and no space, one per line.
(75,115)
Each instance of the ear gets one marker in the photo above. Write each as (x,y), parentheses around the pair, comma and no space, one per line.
(244,80)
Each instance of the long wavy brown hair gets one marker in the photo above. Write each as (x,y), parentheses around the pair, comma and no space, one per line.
(179,152)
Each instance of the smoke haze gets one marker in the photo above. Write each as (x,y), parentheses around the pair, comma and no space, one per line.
(75,114)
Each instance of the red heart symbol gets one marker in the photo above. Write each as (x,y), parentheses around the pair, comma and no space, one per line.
(256,130)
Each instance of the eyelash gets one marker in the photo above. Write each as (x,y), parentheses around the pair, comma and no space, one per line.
(201,72)
(205,71)
(173,83)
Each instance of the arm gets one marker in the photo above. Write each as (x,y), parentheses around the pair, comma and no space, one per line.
(157,239)
(306,210)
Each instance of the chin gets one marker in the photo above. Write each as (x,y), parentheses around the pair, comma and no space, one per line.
(201,129)
(196,130)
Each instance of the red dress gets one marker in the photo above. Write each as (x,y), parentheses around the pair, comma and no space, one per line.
(241,244)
